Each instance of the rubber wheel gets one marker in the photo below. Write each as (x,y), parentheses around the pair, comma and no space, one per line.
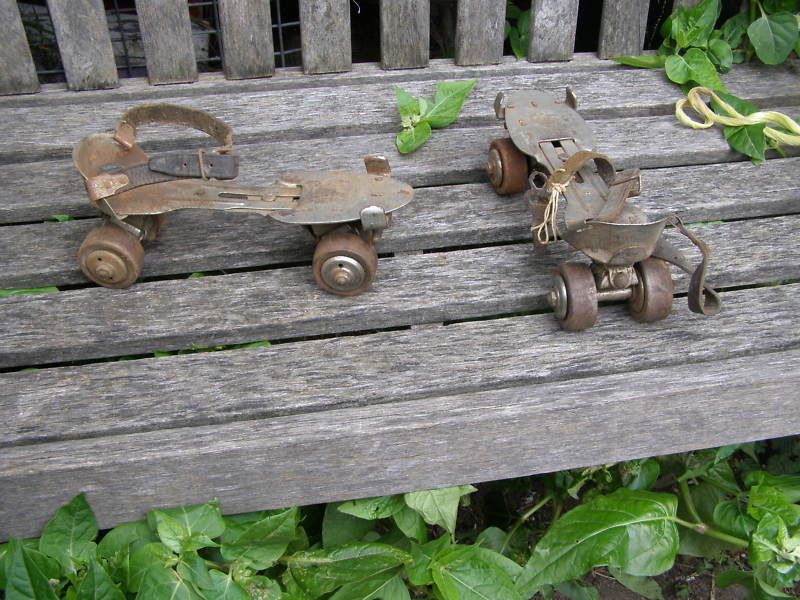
(578,294)
(344,264)
(111,257)
(507,167)
(652,296)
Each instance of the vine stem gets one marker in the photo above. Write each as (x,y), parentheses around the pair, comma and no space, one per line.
(683,485)
(704,529)
(527,515)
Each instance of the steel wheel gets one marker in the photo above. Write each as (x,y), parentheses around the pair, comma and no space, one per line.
(111,257)
(344,264)
(652,296)
(507,167)
(573,296)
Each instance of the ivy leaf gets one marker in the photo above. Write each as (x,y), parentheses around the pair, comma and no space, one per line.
(450,95)
(409,140)
(24,579)
(422,557)
(318,572)
(702,70)
(644,61)
(339,528)
(749,140)
(68,536)
(773,36)
(373,508)
(630,530)
(460,574)
(644,586)
(387,586)
(411,524)
(98,585)
(160,583)
(439,507)
(259,544)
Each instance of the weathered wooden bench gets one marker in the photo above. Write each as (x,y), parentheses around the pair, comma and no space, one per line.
(451,369)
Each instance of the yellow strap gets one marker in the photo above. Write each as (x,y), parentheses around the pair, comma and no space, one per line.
(732,117)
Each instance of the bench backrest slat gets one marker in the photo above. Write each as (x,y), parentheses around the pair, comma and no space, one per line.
(17,71)
(405,33)
(479,32)
(325,36)
(167,40)
(246,28)
(553,26)
(84,43)
(622,28)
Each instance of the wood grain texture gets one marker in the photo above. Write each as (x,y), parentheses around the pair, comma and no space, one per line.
(167,39)
(405,33)
(380,368)
(479,32)
(84,43)
(286,304)
(325,36)
(553,26)
(622,28)
(309,458)
(17,71)
(44,254)
(686,3)
(246,27)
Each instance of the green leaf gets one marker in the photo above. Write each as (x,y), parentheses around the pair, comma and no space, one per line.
(643,61)
(460,574)
(318,572)
(407,106)
(160,583)
(764,500)
(24,578)
(124,537)
(511,568)
(223,587)
(69,535)
(411,524)
(773,37)
(733,29)
(721,55)
(450,95)
(409,140)
(518,47)
(630,530)
(339,528)
(177,537)
(61,218)
(577,590)
(439,507)
(386,586)
(145,557)
(644,586)
(641,474)
(262,588)
(258,545)
(764,545)
(677,69)
(702,70)
(188,528)
(693,27)
(41,290)
(742,106)
(422,557)
(373,508)
(731,517)
(789,485)
(705,497)
(748,139)
(98,585)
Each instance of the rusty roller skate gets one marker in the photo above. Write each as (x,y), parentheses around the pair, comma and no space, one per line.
(345,211)
(550,153)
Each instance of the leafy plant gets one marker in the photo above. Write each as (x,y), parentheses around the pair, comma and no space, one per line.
(41,290)
(518,29)
(694,53)
(419,116)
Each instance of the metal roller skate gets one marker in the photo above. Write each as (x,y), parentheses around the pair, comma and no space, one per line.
(550,153)
(345,211)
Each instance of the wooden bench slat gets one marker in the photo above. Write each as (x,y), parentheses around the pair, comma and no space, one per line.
(84,43)
(17,71)
(290,460)
(286,303)
(36,132)
(405,33)
(44,254)
(167,39)
(479,32)
(622,28)
(246,29)
(553,26)
(314,376)
(325,36)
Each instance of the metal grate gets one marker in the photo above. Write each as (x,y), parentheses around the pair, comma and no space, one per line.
(126,40)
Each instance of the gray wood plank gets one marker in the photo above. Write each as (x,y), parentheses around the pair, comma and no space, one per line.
(445,216)
(246,27)
(553,26)
(84,43)
(405,33)
(286,304)
(380,368)
(167,39)
(17,71)
(686,3)
(368,451)
(325,35)
(622,27)
(479,32)
(37,132)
